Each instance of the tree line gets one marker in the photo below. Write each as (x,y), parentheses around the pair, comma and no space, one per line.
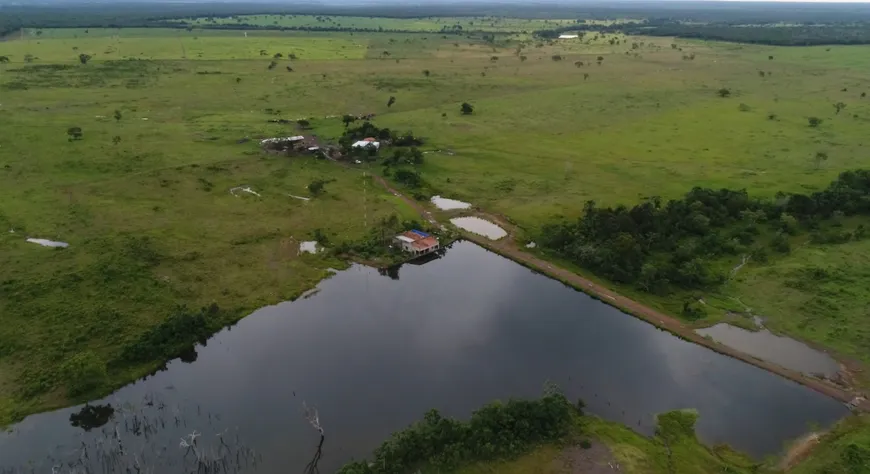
(496,431)
(662,247)
(798,35)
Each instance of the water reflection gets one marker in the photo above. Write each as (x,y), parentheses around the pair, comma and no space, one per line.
(92,416)
(780,350)
(373,354)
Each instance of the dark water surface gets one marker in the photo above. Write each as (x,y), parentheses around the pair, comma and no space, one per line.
(373,353)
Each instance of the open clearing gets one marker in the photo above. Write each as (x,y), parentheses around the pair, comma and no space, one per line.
(151,221)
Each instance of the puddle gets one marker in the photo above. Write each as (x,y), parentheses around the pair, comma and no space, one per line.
(780,350)
(309,246)
(479,226)
(447,204)
(49,243)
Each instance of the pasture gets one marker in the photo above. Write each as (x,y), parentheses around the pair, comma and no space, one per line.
(151,221)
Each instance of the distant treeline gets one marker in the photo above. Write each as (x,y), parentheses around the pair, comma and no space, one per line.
(249,26)
(793,35)
(660,247)
(126,15)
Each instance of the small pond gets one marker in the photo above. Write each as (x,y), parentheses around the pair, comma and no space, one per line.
(373,350)
(479,226)
(48,243)
(780,350)
(449,204)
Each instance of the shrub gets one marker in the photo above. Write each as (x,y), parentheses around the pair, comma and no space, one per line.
(781,244)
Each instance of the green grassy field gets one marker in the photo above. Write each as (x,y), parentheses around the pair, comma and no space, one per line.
(546,135)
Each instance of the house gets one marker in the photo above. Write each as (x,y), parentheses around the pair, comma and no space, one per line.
(417,242)
(367,142)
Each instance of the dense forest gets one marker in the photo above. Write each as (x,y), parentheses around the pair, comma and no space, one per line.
(662,247)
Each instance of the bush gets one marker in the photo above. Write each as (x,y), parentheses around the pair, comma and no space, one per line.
(781,244)
(82,373)
(693,310)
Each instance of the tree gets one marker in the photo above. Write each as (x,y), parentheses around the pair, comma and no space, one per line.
(272,65)
(84,58)
(585,76)
(466,108)
(523,59)
(4,59)
(814,122)
(788,224)
(116,140)
(238,80)
(780,243)
(303,124)
(600,58)
(278,56)
(74,133)
(117,115)
(724,92)
(391,101)
(493,58)
(863,94)
(770,58)
(556,57)
(347,120)
(317,187)
(819,158)
(839,106)
(426,72)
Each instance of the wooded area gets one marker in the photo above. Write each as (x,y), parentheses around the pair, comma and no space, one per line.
(663,247)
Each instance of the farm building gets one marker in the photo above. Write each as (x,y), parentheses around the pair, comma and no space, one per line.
(367,142)
(417,242)
(562,37)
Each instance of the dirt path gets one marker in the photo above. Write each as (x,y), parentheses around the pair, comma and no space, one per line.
(799,451)
(507,247)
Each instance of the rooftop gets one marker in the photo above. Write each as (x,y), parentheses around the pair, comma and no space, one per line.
(425,243)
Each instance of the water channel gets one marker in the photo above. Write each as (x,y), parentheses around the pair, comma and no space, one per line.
(372,351)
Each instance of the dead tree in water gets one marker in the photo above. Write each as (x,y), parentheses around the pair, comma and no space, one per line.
(313,418)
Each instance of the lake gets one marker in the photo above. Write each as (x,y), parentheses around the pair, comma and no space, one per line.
(373,350)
